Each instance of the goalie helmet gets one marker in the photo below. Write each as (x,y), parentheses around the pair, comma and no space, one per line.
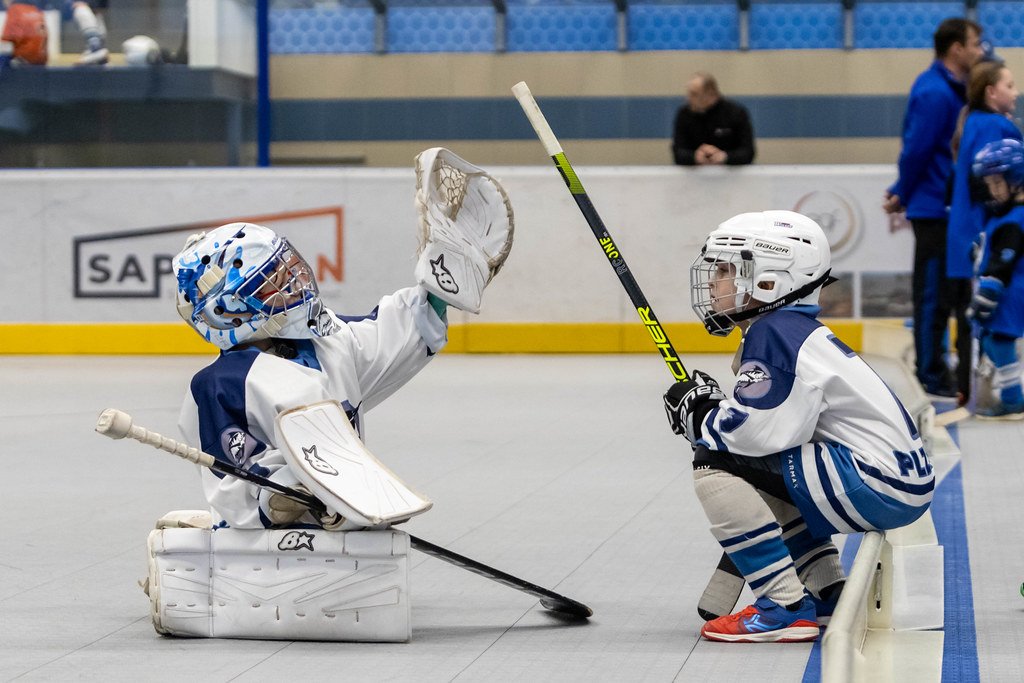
(756,262)
(242,282)
(999,166)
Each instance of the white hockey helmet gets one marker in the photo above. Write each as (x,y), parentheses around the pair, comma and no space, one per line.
(140,51)
(242,282)
(756,262)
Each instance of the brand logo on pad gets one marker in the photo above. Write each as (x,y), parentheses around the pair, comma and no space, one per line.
(296,540)
(318,463)
(444,277)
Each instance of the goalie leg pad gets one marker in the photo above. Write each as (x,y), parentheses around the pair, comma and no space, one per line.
(466,228)
(328,457)
(280,584)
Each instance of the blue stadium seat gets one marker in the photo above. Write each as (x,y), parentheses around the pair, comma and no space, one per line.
(796,25)
(441,27)
(1003,21)
(895,24)
(322,30)
(561,26)
(683,25)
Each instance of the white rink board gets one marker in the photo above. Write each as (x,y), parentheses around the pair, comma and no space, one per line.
(88,244)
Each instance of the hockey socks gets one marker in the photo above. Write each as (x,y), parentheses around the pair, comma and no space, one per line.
(744,525)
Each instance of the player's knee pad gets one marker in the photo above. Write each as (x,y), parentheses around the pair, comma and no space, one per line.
(279,584)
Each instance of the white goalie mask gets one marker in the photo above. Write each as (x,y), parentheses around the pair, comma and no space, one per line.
(757,262)
(242,282)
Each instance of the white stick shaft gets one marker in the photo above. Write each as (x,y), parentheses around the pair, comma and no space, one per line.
(536,117)
(118,424)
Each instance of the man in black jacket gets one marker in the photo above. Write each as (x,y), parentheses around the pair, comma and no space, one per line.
(711,129)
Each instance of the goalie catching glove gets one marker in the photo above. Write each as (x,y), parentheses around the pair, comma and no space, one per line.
(466,227)
(689,401)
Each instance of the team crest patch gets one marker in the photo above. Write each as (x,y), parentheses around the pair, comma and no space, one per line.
(444,277)
(296,540)
(753,381)
(237,445)
(322,322)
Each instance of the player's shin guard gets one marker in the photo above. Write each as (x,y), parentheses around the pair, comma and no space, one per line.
(744,525)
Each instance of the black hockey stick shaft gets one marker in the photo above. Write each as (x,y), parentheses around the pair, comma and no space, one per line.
(611,251)
(727,578)
(117,425)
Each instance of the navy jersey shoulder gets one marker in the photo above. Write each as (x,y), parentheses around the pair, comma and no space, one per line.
(776,338)
(219,393)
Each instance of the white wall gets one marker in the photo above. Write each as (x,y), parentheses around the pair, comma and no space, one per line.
(129,223)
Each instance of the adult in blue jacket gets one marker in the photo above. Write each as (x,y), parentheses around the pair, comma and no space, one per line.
(991,101)
(925,166)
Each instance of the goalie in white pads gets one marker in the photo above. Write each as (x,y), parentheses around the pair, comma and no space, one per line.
(249,292)
(812,443)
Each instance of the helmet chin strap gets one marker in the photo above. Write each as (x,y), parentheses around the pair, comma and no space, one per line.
(716,320)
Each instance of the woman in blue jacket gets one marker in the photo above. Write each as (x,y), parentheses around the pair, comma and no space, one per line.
(991,99)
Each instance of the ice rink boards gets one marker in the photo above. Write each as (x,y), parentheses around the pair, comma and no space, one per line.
(558,469)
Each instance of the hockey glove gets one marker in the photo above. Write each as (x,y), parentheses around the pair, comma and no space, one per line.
(986,297)
(688,402)
(283,511)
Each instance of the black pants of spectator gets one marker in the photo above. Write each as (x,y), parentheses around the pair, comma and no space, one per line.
(932,305)
(960,291)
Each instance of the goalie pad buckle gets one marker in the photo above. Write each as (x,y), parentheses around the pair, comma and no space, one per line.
(466,227)
(326,454)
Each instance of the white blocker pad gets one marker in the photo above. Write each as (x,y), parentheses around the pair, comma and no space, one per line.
(466,228)
(327,456)
(280,584)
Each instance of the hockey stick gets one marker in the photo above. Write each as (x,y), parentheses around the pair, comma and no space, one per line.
(117,425)
(726,584)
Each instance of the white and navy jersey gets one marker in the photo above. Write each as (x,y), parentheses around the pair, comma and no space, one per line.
(852,456)
(231,405)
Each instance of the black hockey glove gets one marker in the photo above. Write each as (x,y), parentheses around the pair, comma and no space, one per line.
(688,402)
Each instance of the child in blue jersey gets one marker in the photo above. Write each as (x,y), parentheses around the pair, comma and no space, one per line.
(812,443)
(998,302)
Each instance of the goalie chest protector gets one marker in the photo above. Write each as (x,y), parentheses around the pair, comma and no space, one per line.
(280,584)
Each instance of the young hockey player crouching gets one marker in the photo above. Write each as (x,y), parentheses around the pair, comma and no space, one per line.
(998,303)
(812,443)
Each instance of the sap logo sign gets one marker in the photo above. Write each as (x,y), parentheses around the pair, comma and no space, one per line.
(138,263)
(129,272)
(127,265)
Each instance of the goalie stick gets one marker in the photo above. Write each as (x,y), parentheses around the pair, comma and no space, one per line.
(723,590)
(117,424)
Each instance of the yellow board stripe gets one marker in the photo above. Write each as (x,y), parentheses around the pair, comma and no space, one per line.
(176,338)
